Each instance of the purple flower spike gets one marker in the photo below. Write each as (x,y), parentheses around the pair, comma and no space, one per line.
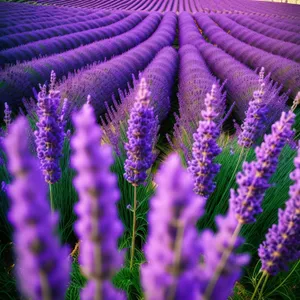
(173,248)
(214,246)
(7,115)
(205,148)
(255,116)
(282,244)
(254,178)
(142,128)
(50,134)
(98,227)
(42,264)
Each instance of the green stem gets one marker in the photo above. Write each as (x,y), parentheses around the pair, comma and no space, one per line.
(285,279)
(51,197)
(222,264)
(257,286)
(263,286)
(46,292)
(133,228)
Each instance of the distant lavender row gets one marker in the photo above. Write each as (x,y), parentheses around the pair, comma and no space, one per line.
(244,34)
(19,39)
(267,30)
(277,23)
(70,41)
(18,81)
(282,70)
(23,27)
(104,80)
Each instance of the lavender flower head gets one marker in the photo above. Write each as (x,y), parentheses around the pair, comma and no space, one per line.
(50,133)
(205,148)
(142,127)
(253,179)
(282,244)
(42,264)
(213,248)
(172,250)
(7,115)
(98,226)
(255,116)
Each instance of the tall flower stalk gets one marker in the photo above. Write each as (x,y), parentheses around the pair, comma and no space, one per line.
(282,244)
(7,115)
(49,135)
(142,128)
(173,246)
(98,227)
(205,148)
(42,264)
(253,181)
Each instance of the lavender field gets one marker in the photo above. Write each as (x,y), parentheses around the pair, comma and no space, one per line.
(149,149)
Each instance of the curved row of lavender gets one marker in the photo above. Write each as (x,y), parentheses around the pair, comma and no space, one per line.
(100,81)
(23,38)
(54,45)
(26,25)
(282,70)
(285,49)
(18,81)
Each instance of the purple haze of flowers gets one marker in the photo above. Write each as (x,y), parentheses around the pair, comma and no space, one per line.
(142,127)
(213,247)
(42,264)
(98,227)
(205,148)
(282,244)
(7,115)
(173,248)
(49,136)
(255,116)
(253,179)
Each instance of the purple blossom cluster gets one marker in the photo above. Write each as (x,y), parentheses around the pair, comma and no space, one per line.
(142,128)
(7,114)
(205,148)
(173,246)
(253,179)
(97,227)
(50,132)
(282,243)
(42,264)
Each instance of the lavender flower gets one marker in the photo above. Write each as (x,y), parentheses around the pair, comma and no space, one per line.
(173,247)
(255,116)
(205,148)
(50,134)
(142,126)
(4,186)
(282,244)
(253,180)
(213,248)
(98,226)
(42,265)
(7,115)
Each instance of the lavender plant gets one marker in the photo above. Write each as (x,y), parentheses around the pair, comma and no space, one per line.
(7,115)
(42,264)
(205,148)
(141,132)
(173,246)
(98,227)
(49,136)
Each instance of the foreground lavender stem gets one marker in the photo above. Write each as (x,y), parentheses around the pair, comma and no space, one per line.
(142,128)
(98,226)
(172,249)
(245,204)
(42,265)
(7,115)
(282,244)
(205,148)
(255,116)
